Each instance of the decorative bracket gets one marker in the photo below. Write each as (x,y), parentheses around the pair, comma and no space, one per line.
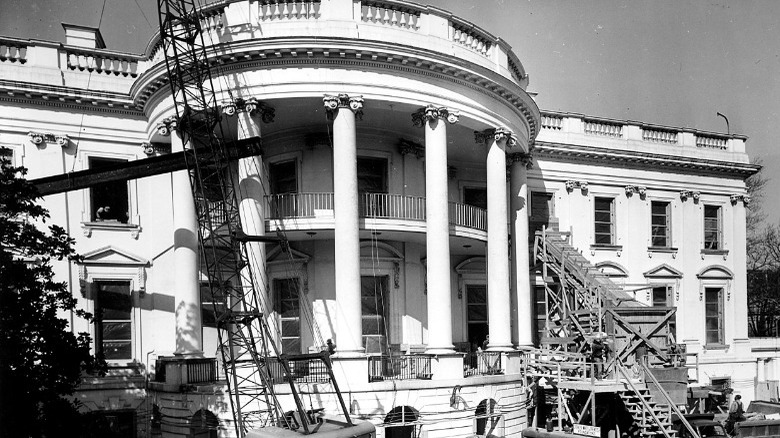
(631,189)
(155,148)
(38,138)
(572,184)
(685,194)
(736,198)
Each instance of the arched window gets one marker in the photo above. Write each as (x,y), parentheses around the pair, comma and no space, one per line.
(407,416)
(487,425)
(204,424)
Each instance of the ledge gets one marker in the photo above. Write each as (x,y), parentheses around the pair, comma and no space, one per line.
(602,247)
(714,252)
(662,250)
(88,227)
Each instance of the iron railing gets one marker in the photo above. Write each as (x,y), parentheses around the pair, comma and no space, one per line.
(372,205)
(409,367)
(302,371)
(482,363)
(201,370)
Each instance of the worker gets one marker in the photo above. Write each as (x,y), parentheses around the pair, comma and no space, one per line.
(103,213)
(597,352)
(736,414)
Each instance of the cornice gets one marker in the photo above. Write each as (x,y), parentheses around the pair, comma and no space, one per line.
(67,97)
(636,159)
(286,51)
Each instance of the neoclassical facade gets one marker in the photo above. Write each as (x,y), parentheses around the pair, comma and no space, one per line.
(407,169)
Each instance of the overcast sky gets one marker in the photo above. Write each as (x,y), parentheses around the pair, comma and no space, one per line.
(672,62)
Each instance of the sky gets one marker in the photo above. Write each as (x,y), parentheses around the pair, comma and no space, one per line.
(668,62)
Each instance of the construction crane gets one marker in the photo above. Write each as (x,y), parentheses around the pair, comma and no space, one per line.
(251,361)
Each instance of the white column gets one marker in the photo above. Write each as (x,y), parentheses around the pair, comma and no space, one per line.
(251,195)
(186,263)
(499,310)
(523,300)
(343,109)
(439,269)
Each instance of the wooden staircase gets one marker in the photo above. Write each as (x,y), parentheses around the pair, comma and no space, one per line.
(650,418)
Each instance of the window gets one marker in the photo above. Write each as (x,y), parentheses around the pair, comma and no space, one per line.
(712,227)
(113,319)
(283,177)
(713,316)
(400,422)
(540,295)
(208,310)
(541,211)
(6,154)
(662,296)
(660,224)
(475,196)
(488,421)
(109,201)
(109,424)
(372,175)
(373,301)
(477,313)
(288,308)
(604,220)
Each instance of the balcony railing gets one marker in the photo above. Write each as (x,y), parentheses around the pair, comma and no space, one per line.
(201,370)
(482,363)
(372,205)
(302,371)
(410,367)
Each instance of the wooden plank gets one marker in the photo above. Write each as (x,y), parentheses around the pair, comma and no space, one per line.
(135,169)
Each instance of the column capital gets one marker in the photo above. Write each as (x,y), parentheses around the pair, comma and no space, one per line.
(499,134)
(342,100)
(167,125)
(251,105)
(520,157)
(410,147)
(431,112)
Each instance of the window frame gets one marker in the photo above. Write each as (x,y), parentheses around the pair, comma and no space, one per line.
(549,201)
(384,318)
(667,225)
(612,223)
(718,231)
(385,176)
(296,178)
(720,291)
(280,318)
(93,207)
(133,215)
(468,305)
(98,329)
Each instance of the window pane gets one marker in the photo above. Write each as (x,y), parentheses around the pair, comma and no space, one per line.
(117,331)
(117,350)
(283,177)
(475,196)
(291,345)
(477,294)
(477,313)
(372,175)
(291,327)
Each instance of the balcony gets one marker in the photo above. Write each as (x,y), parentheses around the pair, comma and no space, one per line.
(301,371)
(372,206)
(482,363)
(190,371)
(412,367)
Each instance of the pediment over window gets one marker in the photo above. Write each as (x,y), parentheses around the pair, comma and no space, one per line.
(715,272)
(379,251)
(663,271)
(612,269)
(109,255)
(473,265)
(276,256)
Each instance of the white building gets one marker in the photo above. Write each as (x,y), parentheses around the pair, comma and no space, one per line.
(661,210)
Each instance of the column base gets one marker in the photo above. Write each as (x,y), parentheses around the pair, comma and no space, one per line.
(436,351)
(447,366)
(197,354)
(501,348)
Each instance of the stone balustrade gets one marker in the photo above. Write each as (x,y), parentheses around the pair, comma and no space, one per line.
(13,50)
(659,135)
(389,13)
(235,22)
(611,133)
(100,61)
